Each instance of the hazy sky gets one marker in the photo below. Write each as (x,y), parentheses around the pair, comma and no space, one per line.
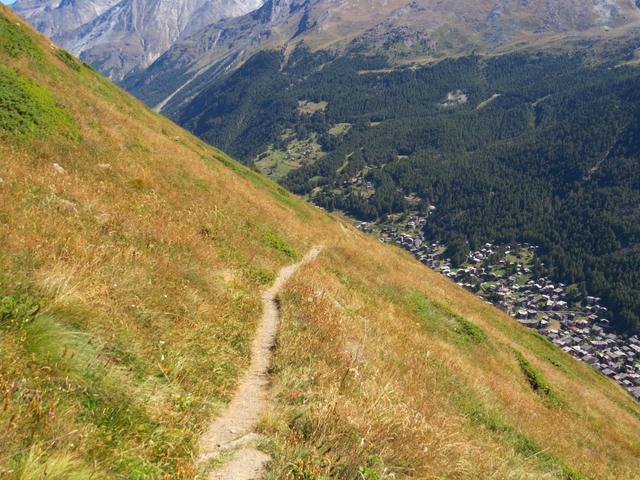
(7,1)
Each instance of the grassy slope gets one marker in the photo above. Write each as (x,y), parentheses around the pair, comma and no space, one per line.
(383,362)
(130,279)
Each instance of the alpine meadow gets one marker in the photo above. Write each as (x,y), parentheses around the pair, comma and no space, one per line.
(167,312)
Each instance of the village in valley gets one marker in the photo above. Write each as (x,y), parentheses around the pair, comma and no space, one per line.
(504,275)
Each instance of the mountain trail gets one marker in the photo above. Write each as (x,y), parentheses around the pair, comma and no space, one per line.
(233,430)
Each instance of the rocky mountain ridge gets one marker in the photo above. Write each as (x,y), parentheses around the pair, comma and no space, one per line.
(118,37)
(157,47)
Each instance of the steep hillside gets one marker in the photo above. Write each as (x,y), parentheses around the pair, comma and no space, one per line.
(118,36)
(132,264)
(549,136)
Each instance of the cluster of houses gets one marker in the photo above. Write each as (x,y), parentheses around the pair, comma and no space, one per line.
(359,181)
(499,274)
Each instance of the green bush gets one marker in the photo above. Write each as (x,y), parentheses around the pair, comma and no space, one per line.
(18,309)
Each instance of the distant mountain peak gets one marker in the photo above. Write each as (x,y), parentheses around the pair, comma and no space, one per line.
(119,36)
(400,29)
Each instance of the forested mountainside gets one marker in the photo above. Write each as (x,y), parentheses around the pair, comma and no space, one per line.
(133,259)
(120,36)
(401,30)
(538,147)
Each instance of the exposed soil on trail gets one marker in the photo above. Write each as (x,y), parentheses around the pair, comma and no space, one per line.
(233,430)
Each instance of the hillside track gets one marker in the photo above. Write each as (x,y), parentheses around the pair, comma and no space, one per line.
(233,430)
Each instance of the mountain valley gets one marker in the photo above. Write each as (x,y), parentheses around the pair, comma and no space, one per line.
(548,137)
(141,268)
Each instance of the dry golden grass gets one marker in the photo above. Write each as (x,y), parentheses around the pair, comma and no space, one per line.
(369,381)
(130,281)
(153,247)
(307,107)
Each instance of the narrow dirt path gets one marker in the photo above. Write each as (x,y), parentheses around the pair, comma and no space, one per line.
(233,430)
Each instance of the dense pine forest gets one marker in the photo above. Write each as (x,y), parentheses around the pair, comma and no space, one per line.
(528,147)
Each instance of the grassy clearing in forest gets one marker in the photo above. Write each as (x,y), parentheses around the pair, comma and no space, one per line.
(308,107)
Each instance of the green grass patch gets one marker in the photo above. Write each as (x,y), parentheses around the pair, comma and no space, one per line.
(273,239)
(16,40)
(18,309)
(438,319)
(521,443)
(258,275)
(488,285)
(67,351)
(135,144)
(69,60)
(276,164)
(119,354)
(536,380)
(477,412)
(555,363)
(470,331)
(36,464)
(39,346)
(340,129)
(433,316)
(308,107)
(28,109)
